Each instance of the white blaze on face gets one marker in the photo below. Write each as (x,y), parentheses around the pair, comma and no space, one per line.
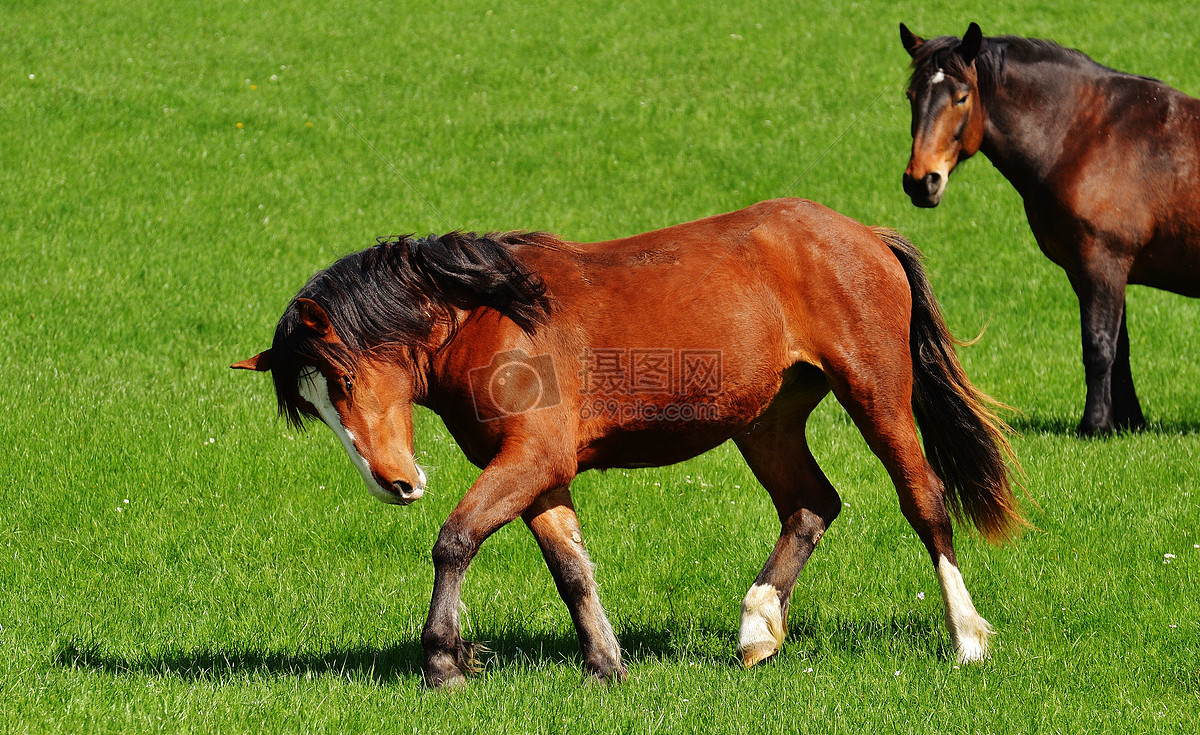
(315,390)
(969,631)
(938,78)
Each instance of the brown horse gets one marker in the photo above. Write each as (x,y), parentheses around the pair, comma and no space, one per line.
(546,358)
(1108,164)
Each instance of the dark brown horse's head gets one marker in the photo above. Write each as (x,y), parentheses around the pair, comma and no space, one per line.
(352,348)
(947,114)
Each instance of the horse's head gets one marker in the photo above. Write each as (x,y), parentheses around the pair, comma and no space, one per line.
(366,399)
(352,349)
(947,114)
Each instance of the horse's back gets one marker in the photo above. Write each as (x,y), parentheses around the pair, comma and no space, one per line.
(781,274)
(778,283)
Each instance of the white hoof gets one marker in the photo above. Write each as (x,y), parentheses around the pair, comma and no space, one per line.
(763,629)
(968,629)
(970,638)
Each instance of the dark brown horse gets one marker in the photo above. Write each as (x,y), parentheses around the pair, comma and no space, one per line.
(1108,164)
(546,358)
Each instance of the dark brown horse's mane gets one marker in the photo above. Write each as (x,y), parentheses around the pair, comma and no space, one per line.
(994,55)
(391,296)
(993,58)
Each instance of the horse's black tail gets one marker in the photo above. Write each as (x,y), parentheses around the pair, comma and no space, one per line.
(965,441)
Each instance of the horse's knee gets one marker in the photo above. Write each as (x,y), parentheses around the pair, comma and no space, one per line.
(808,525)
(454,549)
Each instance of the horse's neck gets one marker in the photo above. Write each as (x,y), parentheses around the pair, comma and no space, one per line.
(1030,114)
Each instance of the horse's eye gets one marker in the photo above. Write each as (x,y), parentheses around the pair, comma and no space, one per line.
(961,100)
(347,382)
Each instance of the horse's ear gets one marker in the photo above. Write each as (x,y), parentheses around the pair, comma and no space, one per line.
(260,362)
(972,40)
(314,317)
(910,40)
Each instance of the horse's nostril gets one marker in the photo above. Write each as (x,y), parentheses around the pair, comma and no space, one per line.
(933,181)
(402,488)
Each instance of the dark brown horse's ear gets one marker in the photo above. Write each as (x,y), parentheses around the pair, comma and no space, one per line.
(260,362)
(314,317)
(972,40)
(910,40)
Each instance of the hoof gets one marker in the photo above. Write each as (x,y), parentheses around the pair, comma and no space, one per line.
(604,667)
(1133,426)
(595,677)
(763,630)
(1088,430)
(972,655)
(445,682)
(973,649)
(449,671)
(757,654)
(970,636)
(968,629)
(971,639)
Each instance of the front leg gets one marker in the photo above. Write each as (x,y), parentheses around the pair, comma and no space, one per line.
(507,487)
(554,524)
(1102,310)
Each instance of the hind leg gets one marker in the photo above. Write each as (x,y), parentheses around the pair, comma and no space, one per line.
(881,408)
(776,450)
(1127,411)
(1102,319)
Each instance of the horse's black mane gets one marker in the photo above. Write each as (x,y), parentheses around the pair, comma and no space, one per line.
(392,295)
(994,54)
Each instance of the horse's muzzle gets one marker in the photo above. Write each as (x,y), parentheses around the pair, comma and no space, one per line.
(405,493)
(398,492)
(927,190)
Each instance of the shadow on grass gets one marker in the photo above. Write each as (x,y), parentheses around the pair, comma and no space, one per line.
(811,635)
(1067,426)
(214,663)
(503,648)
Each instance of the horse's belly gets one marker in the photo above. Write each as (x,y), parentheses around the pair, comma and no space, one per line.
(1172,265)
(644,433)
(649,448)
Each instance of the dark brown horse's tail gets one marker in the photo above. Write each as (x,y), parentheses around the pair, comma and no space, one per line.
(965,441)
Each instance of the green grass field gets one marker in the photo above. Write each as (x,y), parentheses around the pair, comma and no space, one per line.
(172,557)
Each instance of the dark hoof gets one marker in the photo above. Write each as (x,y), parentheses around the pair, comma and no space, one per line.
(1134,425)
(594,676)
(444,681)
(449,671)
(1088,430)
(603,665)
